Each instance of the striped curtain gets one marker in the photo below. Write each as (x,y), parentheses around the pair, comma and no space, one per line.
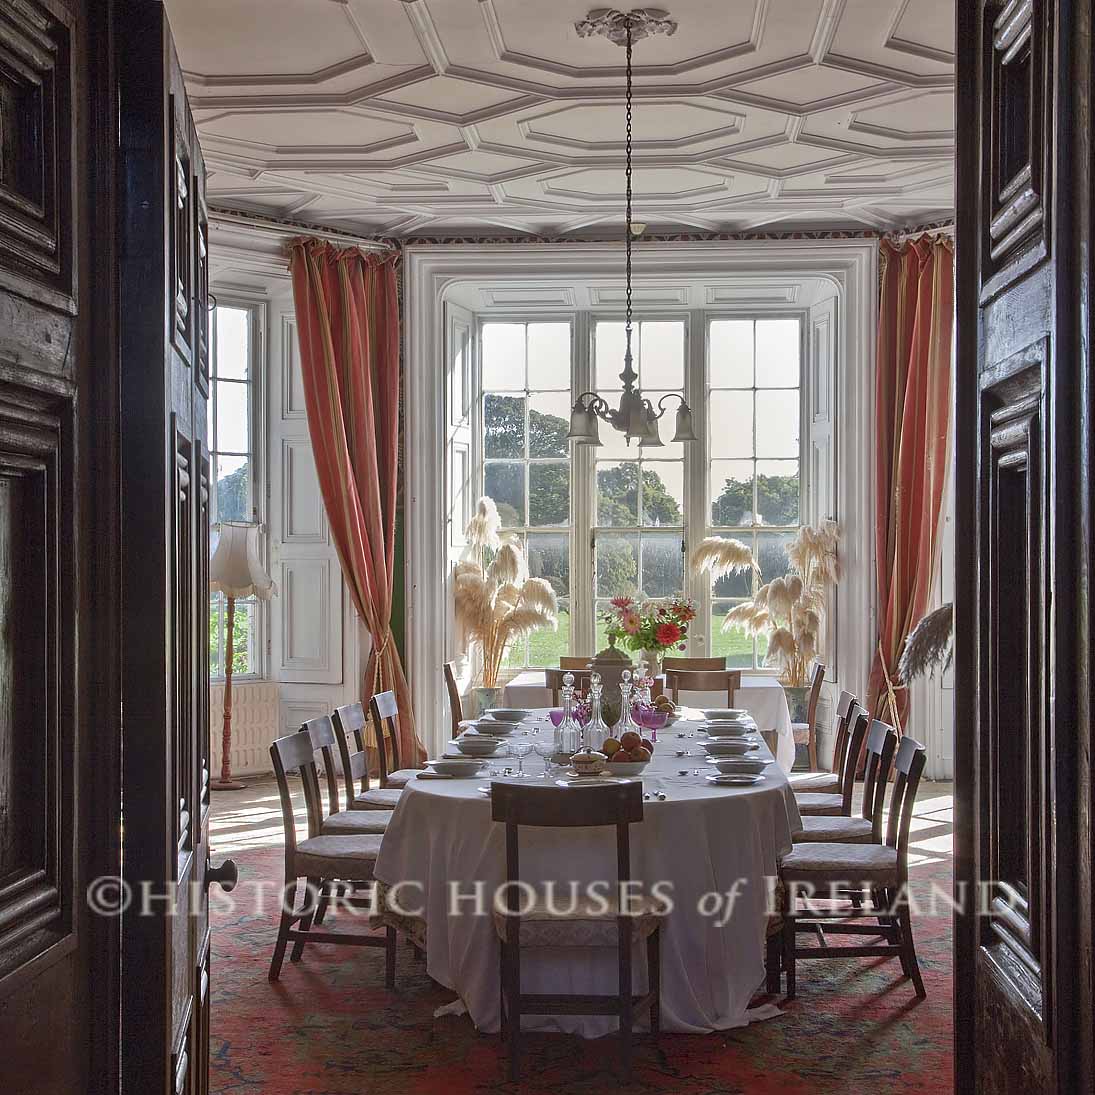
(912,422)
(347,315)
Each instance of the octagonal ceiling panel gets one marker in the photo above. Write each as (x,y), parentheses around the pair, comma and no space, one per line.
(493,115)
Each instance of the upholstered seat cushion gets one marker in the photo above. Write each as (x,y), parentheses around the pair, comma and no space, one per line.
(348,857)
(586,926)
(815,782)
(874,864)
(352,822)
(379,798)
(401,778)
(801,731)
(834,830)
(812,805)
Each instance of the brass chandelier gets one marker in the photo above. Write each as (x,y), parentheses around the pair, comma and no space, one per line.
(636,416)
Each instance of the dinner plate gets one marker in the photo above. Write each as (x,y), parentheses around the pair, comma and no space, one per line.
(729,747)
(461,766)
(591,781)
(734,780)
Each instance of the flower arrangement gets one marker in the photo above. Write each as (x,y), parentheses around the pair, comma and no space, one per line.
(791,609)
(649,625)
(495,600)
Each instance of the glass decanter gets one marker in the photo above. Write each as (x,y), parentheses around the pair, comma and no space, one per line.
(626,721)
(568,734)
(595,730)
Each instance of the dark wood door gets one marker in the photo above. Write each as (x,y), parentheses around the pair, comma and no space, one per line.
(166,478)
(1023,976)
(59,668)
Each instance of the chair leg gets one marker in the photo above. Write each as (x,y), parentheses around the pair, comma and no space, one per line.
(502,992)
(908,951)
(812,747)
(626,1007)
(389,958)
(773,962)
(512,962)
(288,907)
(311,892)
(654,979)
(326,892)
(789,951)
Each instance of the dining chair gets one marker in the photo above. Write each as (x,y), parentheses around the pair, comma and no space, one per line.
(541,924)
(319,860)
(806,732)
(385,714)
(864,828)
(829,781)
(456,705)
(335,820)
(349,722)
(880,870)
(574,661)
(553,678)
(839,803)
(695,664)
(698,680)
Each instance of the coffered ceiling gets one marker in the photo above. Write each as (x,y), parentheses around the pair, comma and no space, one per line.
(430,117)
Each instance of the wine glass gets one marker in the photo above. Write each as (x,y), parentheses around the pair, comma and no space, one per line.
(545,750)
(521,749)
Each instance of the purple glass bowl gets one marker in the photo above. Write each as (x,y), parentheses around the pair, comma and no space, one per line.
(653,720)
(556,716)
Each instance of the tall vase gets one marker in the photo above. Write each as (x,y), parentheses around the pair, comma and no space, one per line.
(653,659)
(486,698)
(798,701)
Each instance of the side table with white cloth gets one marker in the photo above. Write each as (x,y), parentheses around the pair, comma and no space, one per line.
(715,848)
(762,696)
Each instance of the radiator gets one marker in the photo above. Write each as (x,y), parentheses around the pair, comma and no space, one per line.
(256,722)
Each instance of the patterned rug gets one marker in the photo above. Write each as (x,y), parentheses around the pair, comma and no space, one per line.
(329,1027)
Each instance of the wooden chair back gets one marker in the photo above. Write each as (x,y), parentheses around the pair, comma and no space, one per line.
(694,664)
(553,678)
(909,765)
(294,753)
(861,722)
(700,680)
(572,662)
(456,706)
(385,713)
(349,722)
(842,725)
(881,746)
(574,807)
(816,683)
(321,731)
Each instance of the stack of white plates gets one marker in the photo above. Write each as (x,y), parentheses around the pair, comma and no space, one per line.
(491,728)
(719,714)
(728,728)
(464,767)
(742,766)
(729,747)
(734,779)
(508,714)
(475,745)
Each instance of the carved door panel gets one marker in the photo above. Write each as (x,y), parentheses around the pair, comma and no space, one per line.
(1022,766)
(165,512)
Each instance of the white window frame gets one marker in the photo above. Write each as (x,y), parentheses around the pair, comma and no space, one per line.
(257,372)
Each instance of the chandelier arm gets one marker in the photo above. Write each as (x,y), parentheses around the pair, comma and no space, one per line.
(669,395)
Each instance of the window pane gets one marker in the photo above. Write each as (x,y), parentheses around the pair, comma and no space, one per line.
(549,558)
(663,493)
(669,450)
(609,355)
(617,565)
(738,584)
(505,483)
(771,554)
(549,494)
(777,353)
(233,343)
(233,488)
(233,417)
(662,357)
(548,423)
(777,423)
(734,645)
(730,424)
(613,446)
(731,493)
(731,353)
(617,494)
(546,647)
(549,355)
(216,626)
(663,564)
(504,425)
(503,356)
(778,493)
(241,637)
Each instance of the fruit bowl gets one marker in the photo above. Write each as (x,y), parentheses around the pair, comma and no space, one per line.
(625,767)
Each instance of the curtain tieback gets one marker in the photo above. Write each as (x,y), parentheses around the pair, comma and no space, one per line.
(891,691)
(378,672)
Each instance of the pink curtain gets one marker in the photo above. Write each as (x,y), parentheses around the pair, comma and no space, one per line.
(912,421)
(348,322)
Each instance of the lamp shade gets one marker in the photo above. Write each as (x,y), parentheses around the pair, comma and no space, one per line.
(685,431)
(583,426)
(235,569)
(651,437)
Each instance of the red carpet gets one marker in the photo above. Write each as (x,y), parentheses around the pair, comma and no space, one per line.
(329,1027)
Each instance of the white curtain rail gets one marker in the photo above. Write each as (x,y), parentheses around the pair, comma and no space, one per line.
(233,218)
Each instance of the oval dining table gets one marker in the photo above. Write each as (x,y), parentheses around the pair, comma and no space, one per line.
(716,848)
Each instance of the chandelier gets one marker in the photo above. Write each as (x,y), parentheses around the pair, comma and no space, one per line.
(636,416)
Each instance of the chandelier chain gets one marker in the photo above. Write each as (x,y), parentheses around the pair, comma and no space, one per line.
(628,173)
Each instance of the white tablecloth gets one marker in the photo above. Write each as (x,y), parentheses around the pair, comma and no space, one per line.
(763,697)
(702,840)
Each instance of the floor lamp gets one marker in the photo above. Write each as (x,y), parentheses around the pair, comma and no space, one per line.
(236,571)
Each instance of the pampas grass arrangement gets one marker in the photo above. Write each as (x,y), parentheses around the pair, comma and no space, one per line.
(928,646)
(721,556)
(496,601)
(791,609)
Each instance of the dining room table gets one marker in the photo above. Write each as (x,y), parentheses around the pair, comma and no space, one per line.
(713,849)
(760,694)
